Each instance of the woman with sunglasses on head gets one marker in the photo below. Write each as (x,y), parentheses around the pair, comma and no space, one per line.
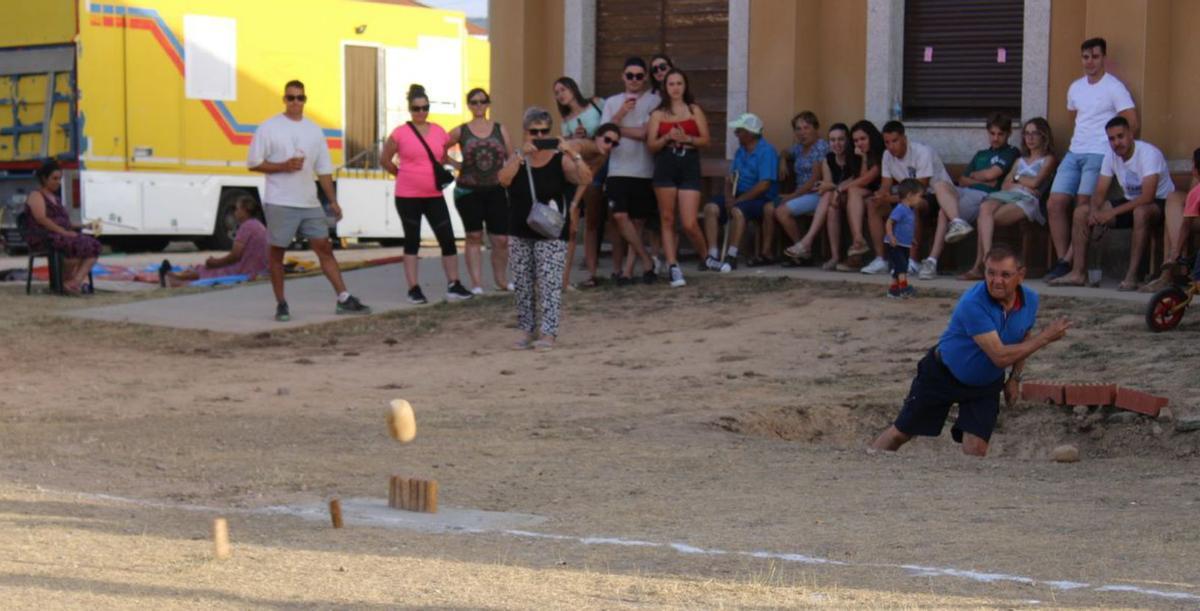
(580,115)
(1020,197)
(477,192)
(417,146)
(539,174)
(677,131)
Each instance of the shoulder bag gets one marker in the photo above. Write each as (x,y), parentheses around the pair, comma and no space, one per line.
(545,219)
(441,176)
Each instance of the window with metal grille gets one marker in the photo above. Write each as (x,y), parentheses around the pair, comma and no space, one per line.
(962,58)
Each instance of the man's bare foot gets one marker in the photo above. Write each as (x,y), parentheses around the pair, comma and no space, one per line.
(1127,285)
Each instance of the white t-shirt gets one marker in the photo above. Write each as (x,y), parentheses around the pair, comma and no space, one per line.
(919,161)
(632,159)
(277,140)
(1094,104)
(1146,160)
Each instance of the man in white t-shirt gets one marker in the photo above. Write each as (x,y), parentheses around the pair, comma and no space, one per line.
(1092,100)
(1145,180)
(904,159)
(289,149)
(630,167)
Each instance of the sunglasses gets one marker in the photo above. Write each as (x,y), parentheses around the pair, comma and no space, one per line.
(611,142)
(479,102)
(545,131)
(424,108)
(296,98)
(635,76)
(661,67)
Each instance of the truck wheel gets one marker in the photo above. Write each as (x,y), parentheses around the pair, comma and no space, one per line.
(226,226)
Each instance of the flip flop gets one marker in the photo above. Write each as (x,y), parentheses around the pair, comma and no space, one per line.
(858,249)
(1062,281)
(971,274)
(1127,287)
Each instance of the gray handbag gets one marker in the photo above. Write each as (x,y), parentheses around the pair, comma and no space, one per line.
(544,218)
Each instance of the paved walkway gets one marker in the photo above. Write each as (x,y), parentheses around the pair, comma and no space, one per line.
(249,308)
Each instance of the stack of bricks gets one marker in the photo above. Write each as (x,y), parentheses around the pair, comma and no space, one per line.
(413,494)
(1093,394)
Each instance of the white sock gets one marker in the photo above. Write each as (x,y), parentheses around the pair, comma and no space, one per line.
(934,259)
(343,296)
(913,262)
(713,252)
(733,251)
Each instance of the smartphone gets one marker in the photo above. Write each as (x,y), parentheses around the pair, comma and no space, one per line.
(545,144)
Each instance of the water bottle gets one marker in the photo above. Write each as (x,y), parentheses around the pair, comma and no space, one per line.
(897,110)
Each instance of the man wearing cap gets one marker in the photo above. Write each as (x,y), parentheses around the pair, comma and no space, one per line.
(989,331)
(630,167)
(753,183)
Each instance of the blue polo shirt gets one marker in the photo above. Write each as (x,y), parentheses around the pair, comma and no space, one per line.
(977,313)
(755,167)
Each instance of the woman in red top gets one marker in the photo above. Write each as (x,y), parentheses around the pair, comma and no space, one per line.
(418,194)
(675,134)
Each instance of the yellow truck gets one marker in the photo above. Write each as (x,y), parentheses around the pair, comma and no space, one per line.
(151,104)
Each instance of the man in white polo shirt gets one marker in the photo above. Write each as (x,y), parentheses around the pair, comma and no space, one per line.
(1093,99)
(1145,180)
(289,149)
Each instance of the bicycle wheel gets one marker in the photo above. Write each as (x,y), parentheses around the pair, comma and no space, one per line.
(1166,309)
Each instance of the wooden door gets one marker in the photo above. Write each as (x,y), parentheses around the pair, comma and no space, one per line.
(362,107)
(693,33)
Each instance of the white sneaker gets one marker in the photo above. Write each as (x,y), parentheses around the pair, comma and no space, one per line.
(477,290)
(958,230)
(677,277)
(658,265)
(913,267)
(510,287)
(928,269)
(876,266)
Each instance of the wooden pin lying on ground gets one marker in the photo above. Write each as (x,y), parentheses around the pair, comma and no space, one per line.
(335,513)
(220,538)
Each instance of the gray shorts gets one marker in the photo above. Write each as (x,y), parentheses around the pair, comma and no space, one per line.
(969,201)
(287,222)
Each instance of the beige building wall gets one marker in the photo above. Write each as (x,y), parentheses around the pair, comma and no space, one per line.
(527,56)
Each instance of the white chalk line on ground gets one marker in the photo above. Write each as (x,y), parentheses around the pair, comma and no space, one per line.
(681,548)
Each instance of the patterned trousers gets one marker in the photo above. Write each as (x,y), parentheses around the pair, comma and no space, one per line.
(537,271)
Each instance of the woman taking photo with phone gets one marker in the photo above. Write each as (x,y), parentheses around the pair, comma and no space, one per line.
(538,173)
(419,194)
(477,193)
(677,131)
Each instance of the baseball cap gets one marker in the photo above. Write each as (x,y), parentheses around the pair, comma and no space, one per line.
(749,122)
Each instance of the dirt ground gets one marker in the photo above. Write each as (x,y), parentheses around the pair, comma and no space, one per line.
(729,417)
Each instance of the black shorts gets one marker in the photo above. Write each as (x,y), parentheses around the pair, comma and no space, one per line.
(1125,221)
(486,205)
(632,196)
(932,393)
(672,170)
(897,258)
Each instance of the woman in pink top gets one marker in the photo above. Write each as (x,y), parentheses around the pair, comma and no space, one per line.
(248,257)
(409,154)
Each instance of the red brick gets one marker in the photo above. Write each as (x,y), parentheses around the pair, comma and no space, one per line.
(1089,394)
(1042,392)
(1140,402)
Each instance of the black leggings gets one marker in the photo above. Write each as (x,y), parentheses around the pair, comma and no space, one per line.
(436,212)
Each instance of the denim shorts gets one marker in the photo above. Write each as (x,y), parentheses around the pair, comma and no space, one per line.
(1077,174)
(805,204)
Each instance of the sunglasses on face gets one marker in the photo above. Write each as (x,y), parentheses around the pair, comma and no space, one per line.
(424,108)
(479,102)
(635,76)
(611,142)
(296,98)
(661,67)
(545,131)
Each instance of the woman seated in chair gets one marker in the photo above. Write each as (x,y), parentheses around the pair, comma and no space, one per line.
(46,225)
(1021,197)
(248,257)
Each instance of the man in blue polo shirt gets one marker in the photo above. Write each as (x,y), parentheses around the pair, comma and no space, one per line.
(756,168)
(989,331)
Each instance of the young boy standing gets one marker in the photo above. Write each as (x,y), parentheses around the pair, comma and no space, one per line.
(900,227)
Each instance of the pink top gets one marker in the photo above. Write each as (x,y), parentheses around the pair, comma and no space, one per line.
(252,235)
(414,178)
(1192,208)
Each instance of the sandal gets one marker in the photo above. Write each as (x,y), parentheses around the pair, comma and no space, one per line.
(972,274)
(760,261)
(590,283)
(1127,287)
(544,344)
(525,343)
(858,249)
(830,265)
